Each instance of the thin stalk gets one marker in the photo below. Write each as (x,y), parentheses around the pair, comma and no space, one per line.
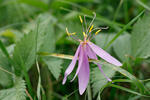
(143,5)
(117,11)
(89,92)
(125,6)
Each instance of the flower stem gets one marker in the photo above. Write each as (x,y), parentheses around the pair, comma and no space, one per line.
(89,92)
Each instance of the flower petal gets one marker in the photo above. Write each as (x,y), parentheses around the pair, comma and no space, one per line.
(80,62)
(72,65)
(92,55)
(104,55)
(83,75)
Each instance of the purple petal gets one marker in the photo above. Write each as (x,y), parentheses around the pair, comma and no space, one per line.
(92,55)
(72,65)
(104,55)
(80,62)
(83,75)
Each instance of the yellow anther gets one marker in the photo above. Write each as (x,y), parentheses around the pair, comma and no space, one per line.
(73,33)
(84,34)
(67,32)
(81,19)
(91,28)
(97,31)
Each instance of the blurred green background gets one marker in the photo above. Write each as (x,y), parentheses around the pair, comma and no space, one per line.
(30,30)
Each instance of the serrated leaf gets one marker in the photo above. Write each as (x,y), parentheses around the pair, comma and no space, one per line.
(46,35)
(25,52)
(5,78)
(122,46)
(97,78)
(17,92)
(54,65)
(140,39)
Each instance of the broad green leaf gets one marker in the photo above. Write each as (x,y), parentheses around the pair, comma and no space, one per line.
(148,85)
(24,52)
(3,49)
(17,92)
(103,39)
(124,28)
(97,78)
(140,39)
(54,65)
(122,46)
(5,78)
(45,29)
(46,33)
(46,42)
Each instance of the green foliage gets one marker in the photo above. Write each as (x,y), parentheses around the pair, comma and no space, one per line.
(17,92)
(46,35)
(97,78)
(140,38)
(54,65)
(25,52)
(5,78)
(46,42)
(103,39)
(122,47)
(32,32)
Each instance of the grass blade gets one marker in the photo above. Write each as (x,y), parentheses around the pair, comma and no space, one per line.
(124,28)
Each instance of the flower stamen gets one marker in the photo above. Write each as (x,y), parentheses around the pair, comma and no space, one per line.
(97,31)
(91,28)
(69,34)
(81,19)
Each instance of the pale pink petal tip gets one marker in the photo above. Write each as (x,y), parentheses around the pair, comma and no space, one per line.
(80,62)
(104,55)
(64,80)
(72,65)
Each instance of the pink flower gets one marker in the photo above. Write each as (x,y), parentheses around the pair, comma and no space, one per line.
(87,50)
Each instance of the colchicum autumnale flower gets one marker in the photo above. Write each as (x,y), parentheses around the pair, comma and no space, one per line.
(87,50)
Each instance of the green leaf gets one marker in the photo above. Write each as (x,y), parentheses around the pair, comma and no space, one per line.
(24,52)
(122,46)
(2,47)
(126,74)
(103,39)
(54,65)
(140,38)
(5,78)
(46,42)
(97,78)
(17,92)
(124,28)
(46,34)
